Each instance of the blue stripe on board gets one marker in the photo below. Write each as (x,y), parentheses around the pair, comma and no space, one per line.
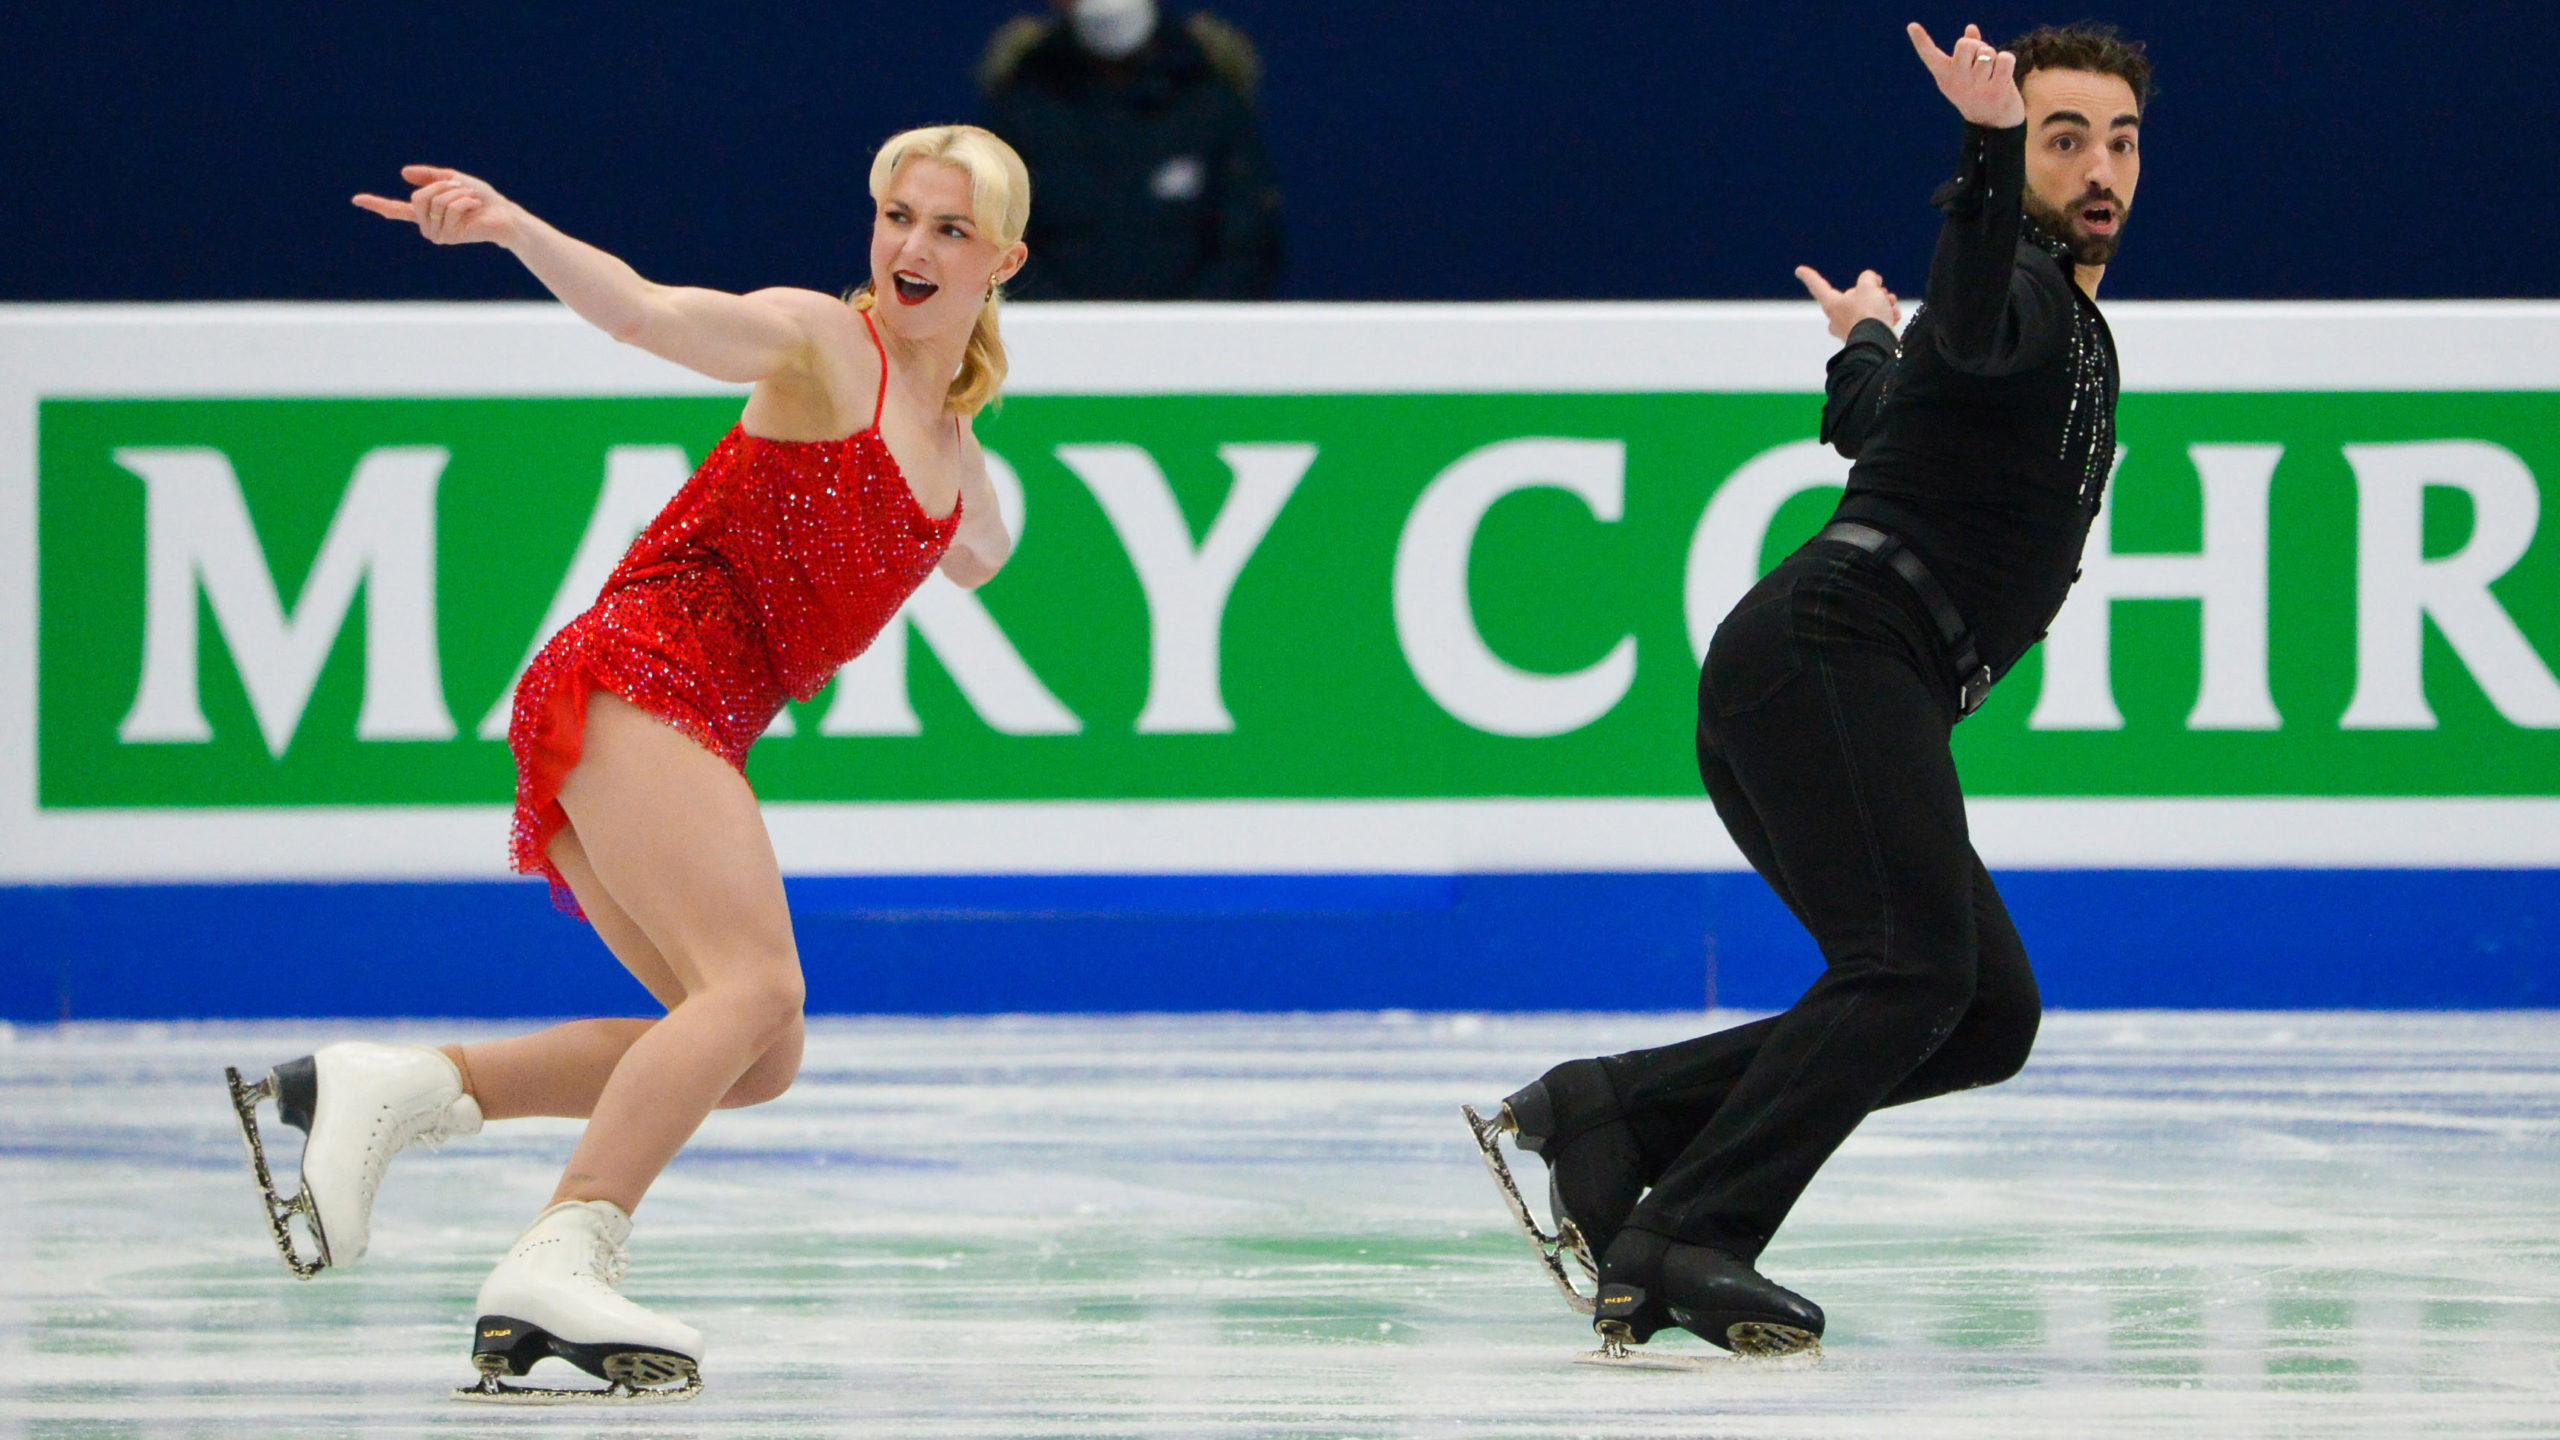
(2102,939)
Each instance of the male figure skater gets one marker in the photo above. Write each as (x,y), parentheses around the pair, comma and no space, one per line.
(1982,439)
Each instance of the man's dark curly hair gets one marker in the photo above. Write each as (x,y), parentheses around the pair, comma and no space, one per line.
(2085,45)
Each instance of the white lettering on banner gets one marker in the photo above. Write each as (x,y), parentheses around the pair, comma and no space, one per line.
(871,693)
(1724,552)
(2228,575)
(2398,588)
(1187,587)
(639,480)
(1435,620)
(198,534)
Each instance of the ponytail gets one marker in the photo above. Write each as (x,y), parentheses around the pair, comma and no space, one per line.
(982,369)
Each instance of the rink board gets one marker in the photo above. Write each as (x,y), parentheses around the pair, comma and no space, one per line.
(2320,939)
(1347,660)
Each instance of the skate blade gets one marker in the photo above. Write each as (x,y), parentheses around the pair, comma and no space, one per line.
(1631,1359)
(1753,1344)
(1550,1248)
(280,1211)
(493,1391)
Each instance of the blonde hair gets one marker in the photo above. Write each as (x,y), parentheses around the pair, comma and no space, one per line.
(1000,203)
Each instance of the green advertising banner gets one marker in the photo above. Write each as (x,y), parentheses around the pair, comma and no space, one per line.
(1306,610)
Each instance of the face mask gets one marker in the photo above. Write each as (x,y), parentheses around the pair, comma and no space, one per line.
(1113,29)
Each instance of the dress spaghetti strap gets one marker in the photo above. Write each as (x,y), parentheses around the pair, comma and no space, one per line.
(879,402)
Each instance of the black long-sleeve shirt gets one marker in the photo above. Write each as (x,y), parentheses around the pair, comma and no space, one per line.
(1983,438)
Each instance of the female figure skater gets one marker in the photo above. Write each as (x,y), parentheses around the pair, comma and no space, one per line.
(851,475)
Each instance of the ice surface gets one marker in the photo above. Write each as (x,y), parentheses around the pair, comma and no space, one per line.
(2172,1224)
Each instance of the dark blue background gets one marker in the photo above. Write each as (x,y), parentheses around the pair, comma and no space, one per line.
(1429,150)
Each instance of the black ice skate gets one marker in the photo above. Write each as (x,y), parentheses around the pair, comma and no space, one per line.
(1648,1282)
(554,1296)
(357,1105)
(1568,1118)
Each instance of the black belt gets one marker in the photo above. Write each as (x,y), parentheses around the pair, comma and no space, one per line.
(1973,678)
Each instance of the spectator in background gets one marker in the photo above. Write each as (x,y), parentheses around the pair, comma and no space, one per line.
(1145,148)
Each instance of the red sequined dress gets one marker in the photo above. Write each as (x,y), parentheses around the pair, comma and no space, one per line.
(778,561)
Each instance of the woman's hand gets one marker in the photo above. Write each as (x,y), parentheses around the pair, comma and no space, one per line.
(449,207)
(1978,79)
(1866,300)
(739,338)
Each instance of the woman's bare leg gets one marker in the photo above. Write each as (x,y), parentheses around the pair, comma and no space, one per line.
(672,835)
(561,1071)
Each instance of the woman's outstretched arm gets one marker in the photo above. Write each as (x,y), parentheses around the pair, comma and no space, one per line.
(743,338)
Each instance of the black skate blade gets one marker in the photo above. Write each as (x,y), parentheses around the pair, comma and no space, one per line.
(280,1211)
(1549,1248)
(493,1391)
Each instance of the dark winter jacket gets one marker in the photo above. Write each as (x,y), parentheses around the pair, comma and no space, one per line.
(1148,178)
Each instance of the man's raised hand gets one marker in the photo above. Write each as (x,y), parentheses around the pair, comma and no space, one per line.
(1866,300)
(448,207)
(1978,79)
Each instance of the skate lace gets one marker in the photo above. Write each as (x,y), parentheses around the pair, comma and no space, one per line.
(430,1128)
(608,1261)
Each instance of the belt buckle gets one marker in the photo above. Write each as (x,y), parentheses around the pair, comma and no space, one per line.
(1975,689)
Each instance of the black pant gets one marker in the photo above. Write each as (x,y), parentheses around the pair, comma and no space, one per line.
(1823,719)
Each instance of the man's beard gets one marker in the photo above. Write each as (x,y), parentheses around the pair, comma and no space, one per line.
(2085,248)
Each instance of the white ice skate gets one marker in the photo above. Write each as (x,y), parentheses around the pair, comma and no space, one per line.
(554,1295)
(357,1105)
